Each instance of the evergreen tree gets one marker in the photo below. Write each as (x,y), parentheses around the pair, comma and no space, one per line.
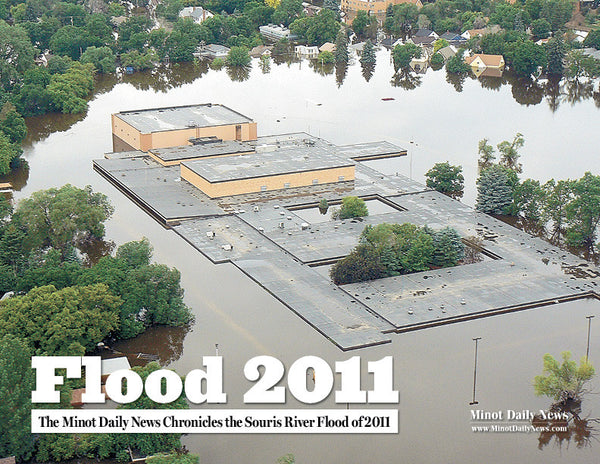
(494,191)
(341,47)
(367,56)
(555,48)
(448,248)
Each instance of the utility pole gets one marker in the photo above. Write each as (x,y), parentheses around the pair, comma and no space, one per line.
(587,350)
(476,340)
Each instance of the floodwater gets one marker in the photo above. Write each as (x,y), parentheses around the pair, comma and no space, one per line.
(433,367)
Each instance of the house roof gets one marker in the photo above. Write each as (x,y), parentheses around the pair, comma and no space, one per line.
(260,50)
(327,47)
(488,60)
(7,460)
(422,40)
(423,33)
(447,52)
(196,12)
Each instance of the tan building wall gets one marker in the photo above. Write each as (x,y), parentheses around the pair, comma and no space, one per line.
(125,132)
(277,182)
(179,161)
(175,138)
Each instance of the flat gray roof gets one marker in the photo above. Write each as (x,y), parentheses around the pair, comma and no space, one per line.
(289,160)
(359,150)
(224,147)
(180,117)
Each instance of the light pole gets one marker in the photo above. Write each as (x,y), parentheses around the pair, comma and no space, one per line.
(587,350)
(476,340)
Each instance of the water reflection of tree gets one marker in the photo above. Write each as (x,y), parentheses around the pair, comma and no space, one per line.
(95,249)
(324,69)
(456,80)
(552,90)
(492,82)
(406,79)
(526,91)
(18,177)
(164,342)
(565,430)
(577,91)
(367,71)
(40,127)
(341,69)
(238,73)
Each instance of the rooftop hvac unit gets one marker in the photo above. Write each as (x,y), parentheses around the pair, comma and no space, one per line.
(227,247)
(210,234)
(281,225)
(256,209)
(304,225)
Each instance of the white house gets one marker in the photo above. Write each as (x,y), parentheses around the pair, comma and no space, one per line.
(197,13)
(306,52)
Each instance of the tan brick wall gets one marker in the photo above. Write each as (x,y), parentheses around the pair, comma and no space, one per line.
(277,182)
(175,138)
(126,132)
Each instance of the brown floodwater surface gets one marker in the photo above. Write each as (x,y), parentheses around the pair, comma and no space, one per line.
(433,367)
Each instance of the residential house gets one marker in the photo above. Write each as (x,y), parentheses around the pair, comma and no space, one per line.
(494,29)
(310,9)
(447,52)
(453,38)
(276,33)
(305,51)
(482,61)
(390,42)
(211,51)
(420,65)
(422,41)
(196,13)
(327,47)
(261,50)
(426,33)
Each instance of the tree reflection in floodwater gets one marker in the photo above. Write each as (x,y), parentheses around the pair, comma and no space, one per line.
(406,79)
(527,91)
(239,73)
(563,432)
(367,71)
(456,80)
(162,342)
(323,69)
(94,249)
(341,69)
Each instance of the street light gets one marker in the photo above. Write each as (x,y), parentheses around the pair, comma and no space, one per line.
(587,350)
(476,340)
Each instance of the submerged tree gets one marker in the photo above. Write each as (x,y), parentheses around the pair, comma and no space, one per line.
(341,47)
(447,179)
(486,154)
(563,382)
(509,154)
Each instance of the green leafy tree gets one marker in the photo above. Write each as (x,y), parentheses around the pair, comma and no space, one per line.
(326,57)
(9,152)
(287,12)
(557,195)
(33,98)
(402,55)
(341,47)
(363,263)
(494,191)
(540,28)
(67,92)
(70,41)
(16,54)
(593,39)
(509,153)
(238,56)
(176,458)
(439,44)
(352,207)
(317,29)
(437,61)
(486,154)
(102,58)
(365,25)
(116,9)
(403,19)
(69,321)
(16,384)
(456,64)
(528,57)
(563,381)
(12,124)
(529,200)
(63,217)
(447,179)
(583,212)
